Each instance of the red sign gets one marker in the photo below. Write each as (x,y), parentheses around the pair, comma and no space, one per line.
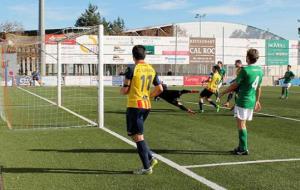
(175,52)
(53,38)
(194,80)
(11,73)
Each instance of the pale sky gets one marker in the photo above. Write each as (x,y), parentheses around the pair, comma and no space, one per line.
(279,16)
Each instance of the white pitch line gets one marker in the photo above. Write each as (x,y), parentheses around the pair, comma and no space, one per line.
(161,158)
(242,163)
(45,99)
(258,113)
(62,107)
(171,163)
(290,92)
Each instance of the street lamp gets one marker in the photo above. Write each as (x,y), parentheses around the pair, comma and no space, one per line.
(200,17)
(298,20)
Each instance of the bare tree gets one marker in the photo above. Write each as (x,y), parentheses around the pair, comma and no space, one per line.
(14,26)
(181,32)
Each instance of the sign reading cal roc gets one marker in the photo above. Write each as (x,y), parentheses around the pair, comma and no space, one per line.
(202,50)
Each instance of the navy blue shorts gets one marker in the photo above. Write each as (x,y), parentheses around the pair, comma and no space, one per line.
(135,120)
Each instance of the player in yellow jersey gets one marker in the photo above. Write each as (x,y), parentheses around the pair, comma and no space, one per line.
(137,83)
(211,88)
(238,65)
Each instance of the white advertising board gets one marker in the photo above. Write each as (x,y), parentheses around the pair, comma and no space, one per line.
(107,81)
(117,50)
(237,48)
(86,80)
(77,80)
(49,80)
(172,80)
(293,52)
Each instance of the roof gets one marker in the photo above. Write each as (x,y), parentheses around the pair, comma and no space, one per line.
(215,29)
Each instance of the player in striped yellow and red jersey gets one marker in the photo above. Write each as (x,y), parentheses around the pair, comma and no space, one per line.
(141,76)
(211,88)
(137,85)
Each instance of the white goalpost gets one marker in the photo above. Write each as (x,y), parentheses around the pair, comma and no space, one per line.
(100,76)
(59,74)
(62,100)
(100,87)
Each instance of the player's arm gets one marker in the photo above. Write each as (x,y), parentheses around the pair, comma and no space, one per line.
(282,78)
(126,86)
(158,89)
(127,81)
(235,84)
(209,77)
(231,88)
(258,95)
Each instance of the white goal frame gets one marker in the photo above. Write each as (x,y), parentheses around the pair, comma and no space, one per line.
(100,57)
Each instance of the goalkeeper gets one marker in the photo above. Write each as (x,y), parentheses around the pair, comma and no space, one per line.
(172,97)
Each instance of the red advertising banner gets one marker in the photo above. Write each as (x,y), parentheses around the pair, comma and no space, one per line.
(175,52)
(53,38)
(195,80)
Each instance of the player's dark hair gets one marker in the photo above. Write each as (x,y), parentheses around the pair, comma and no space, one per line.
(220,62)
(217,68)
(252,55)
(139,52)
(289,66)
(238,61)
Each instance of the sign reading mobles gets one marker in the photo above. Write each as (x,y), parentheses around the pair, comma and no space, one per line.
(277,52)
(202,50)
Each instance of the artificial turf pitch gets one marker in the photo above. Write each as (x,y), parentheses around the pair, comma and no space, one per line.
(89,158)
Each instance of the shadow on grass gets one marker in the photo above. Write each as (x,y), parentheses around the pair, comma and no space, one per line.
(62,171)
(152,110)
(131,151)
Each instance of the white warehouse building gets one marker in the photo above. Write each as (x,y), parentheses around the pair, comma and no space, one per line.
(231,43)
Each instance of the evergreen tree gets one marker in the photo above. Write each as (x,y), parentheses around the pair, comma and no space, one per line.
(91,17)
(117,26)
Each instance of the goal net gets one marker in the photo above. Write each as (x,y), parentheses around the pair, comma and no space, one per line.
(67,94)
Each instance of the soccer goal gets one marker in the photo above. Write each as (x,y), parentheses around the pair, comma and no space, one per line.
(70,94)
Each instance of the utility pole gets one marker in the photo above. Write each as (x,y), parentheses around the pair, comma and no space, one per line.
(298,20)
(42,37)
(200,17)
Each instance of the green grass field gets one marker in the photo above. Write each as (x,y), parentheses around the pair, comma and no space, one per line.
(36,154)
